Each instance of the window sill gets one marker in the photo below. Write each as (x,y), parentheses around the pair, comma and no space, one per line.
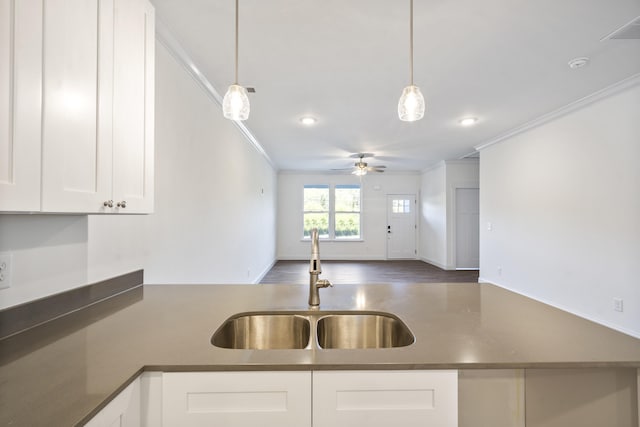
(334,240)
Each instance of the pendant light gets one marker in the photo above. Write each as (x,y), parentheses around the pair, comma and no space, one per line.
(411,104)
(235,105)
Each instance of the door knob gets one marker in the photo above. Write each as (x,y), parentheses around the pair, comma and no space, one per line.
(108,204)
(122,204)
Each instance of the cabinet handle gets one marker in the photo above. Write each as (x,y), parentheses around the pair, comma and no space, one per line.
(122,204)
(108,204)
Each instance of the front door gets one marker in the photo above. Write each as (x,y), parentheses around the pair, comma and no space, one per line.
(401,226)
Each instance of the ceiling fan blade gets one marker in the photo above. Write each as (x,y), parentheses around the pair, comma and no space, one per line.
(342,169)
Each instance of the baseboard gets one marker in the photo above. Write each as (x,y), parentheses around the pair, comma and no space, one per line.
(264,272)
(603,322)
(331,258)
(436,263)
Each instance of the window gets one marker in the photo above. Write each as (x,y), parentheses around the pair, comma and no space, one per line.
(333,210)
(316,210)
(347,212)
(401,206)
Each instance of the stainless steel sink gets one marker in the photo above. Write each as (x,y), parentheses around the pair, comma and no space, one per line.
(292,330)
(362,330)
(263,331)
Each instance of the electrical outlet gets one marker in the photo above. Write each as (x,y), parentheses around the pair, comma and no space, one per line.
(618,304)
(5,270)
(499,271)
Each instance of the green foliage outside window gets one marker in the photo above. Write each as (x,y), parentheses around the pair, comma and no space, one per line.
(347,225)
(346,214)
(316,220)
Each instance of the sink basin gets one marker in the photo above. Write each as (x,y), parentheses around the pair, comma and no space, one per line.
(362,330)
(293,330)
(263,331)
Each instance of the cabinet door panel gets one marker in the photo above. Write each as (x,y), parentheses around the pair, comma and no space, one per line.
(237,399)
(134,41)
(122,411)
(20,104)
(385,398)
(77,105)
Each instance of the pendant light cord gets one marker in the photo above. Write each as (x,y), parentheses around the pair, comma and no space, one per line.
(236,80)
(411,42)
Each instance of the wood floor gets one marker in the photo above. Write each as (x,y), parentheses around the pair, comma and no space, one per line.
(354,272)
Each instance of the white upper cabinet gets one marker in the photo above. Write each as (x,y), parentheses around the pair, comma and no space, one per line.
(20,104)
(133,105)
(93,70)
(77,105)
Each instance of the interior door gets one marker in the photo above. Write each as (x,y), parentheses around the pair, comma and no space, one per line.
(401,226)
(467,229)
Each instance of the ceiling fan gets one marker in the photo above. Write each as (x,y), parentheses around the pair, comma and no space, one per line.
(361,167)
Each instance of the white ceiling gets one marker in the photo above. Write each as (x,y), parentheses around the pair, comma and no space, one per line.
(346,62)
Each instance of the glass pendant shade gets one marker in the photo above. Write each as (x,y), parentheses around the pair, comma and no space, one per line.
(411,105)
(359,172)
(235,105)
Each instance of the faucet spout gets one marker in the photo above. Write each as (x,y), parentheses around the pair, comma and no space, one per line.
(314,271)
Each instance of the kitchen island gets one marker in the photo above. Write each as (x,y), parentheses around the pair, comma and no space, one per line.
(63,372)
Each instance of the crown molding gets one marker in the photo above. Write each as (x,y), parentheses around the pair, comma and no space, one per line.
(166,38)
(437,165)
(608,91)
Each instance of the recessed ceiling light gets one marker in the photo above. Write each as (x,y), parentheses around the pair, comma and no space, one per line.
(308,120)
(468,121)
(579,62)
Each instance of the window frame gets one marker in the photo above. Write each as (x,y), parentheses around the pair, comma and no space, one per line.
(332,212)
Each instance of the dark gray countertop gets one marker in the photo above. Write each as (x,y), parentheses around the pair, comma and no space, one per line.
(61,372)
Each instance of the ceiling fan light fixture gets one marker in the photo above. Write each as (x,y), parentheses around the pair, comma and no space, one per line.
(411,105)
(235,104)
(359,172)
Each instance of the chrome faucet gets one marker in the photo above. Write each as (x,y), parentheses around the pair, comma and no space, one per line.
(314,272)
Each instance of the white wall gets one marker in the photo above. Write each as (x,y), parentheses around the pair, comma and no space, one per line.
(375,188)
(433,216)
(49,255)
(214,220)
(215,194)
(438,210)
(563,200)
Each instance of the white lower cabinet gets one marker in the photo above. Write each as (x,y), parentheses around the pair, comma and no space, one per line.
(122,411)
(286,399)
(385,398)
(236,399)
